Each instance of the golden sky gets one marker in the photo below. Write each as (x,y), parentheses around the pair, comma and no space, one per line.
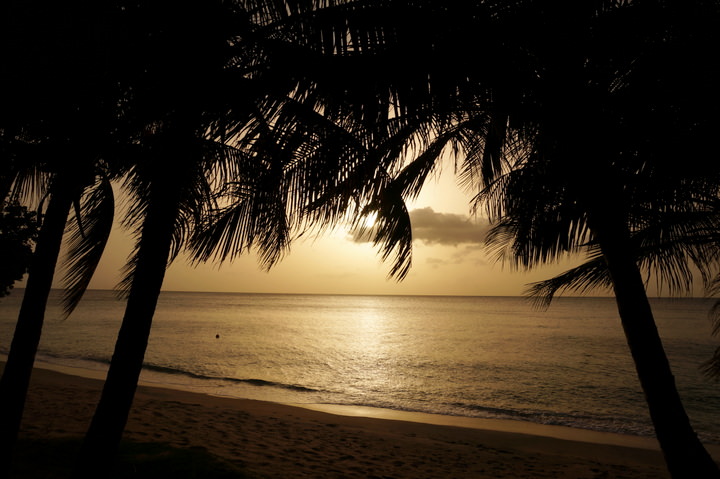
(448,259)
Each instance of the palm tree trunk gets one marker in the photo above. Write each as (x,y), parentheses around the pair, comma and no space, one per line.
(18,368)
(685,455)
(105,432)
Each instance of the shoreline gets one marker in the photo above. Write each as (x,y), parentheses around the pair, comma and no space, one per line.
(279,440)
(501,425)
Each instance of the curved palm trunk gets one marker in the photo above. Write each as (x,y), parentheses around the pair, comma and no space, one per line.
(18,368)
(103,437)
(685,455)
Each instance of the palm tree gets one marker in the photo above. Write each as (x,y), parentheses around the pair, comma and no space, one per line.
(516,92)
(239,133)
(592,119)
(536,229)
(251,154)
(53,137)
(596,105)
(168,186)
(85,254)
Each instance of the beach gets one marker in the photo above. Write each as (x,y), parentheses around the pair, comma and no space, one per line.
(271,440)
(449,357)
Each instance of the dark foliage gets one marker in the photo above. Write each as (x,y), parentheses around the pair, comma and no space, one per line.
(18,232)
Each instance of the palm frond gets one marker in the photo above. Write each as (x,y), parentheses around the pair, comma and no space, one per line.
(491,163)
(672,249)
(30,180)
(410,181)
(590,275)
(87,238)
(391,231)
(255,217)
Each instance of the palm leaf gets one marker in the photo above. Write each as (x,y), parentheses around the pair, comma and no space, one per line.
(87,238)
(391,231)
(581,279)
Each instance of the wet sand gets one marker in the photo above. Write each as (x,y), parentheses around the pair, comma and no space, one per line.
(276,440)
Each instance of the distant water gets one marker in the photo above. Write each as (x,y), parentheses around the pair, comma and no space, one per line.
(493,357)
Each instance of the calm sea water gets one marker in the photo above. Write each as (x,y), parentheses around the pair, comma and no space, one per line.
(493,357)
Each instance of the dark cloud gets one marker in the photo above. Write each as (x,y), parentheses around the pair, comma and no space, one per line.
(445,229)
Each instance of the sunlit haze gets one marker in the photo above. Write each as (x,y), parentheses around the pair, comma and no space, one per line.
(448,259)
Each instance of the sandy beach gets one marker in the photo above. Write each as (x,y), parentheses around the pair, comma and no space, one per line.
(274,440)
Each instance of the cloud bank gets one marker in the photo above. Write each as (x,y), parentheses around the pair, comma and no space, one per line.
(445,229)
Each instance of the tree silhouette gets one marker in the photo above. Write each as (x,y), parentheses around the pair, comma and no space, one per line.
(236,159)
(18,232)
(573,138)
(54,128)
(566,115)
(606,124)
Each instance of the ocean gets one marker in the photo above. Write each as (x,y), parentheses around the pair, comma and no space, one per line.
(488,357)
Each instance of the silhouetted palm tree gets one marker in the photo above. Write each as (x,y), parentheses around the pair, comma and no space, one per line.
(541,229)
(53,134)
(593,120)
(240,133)
(594,175)
(168,184)
(551,85)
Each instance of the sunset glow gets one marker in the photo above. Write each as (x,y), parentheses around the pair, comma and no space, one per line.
(448,259)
